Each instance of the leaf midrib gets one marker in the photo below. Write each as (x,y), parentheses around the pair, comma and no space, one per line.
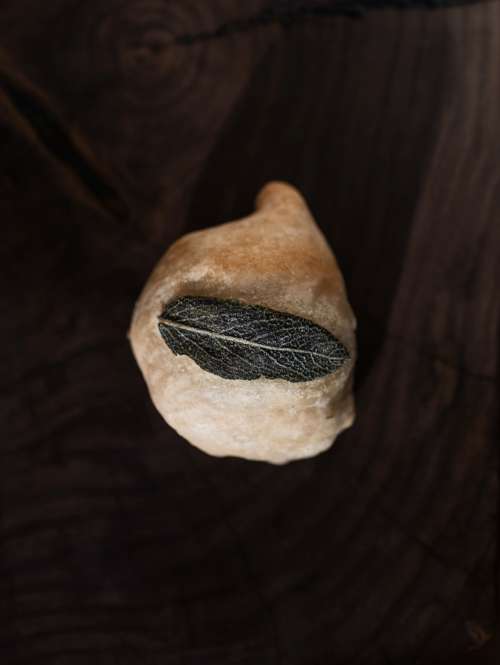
(240,340)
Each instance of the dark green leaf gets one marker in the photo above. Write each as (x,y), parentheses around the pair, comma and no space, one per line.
(239,341)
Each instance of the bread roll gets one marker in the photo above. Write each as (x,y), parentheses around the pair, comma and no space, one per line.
(245,337)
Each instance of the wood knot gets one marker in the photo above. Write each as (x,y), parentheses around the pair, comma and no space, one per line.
(132,46)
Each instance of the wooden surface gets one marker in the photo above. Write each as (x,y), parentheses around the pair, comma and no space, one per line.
(124,124)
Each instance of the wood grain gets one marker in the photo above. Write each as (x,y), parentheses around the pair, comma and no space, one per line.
(119,543)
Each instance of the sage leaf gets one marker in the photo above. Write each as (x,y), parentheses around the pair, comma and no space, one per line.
(236,340)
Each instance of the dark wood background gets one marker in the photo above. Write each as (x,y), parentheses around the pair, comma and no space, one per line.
(126,123)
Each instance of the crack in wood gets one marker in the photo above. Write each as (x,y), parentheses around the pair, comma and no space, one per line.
(291,11)
(47,129)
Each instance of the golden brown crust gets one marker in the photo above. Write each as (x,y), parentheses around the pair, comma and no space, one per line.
(278,258)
